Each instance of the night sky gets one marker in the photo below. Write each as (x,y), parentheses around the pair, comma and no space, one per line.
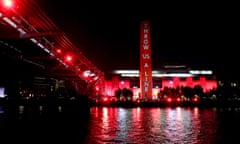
(195,34)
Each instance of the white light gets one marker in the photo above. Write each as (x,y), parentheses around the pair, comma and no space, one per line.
(40,45)
(86,73)
(51,54)
(2,92)
(160,75)
(126,71)
(10,22)
(174,66)
(8,3)
(46,50)
(33,40)
(207,72)
(155,72)
(135,73)
(130,75)
(92,74)
(173,75)
(21,31)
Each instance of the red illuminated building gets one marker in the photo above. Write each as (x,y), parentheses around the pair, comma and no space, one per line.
(168,76)
(147,83)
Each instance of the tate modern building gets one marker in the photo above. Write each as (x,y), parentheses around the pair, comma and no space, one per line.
(146,83)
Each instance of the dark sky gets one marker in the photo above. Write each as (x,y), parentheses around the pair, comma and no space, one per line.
(191,33)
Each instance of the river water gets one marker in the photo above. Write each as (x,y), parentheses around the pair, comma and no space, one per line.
(112,125)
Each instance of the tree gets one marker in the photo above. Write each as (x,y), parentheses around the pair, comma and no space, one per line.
(127,93)
(198,90)
(118,93)
(124,93)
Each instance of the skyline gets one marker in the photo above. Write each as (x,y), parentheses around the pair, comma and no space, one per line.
(197,35)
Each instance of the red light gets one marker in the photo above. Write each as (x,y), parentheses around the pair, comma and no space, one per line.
(178,99)
(68,58)
(105,99)
(97,88)
(195,99)
(169,99)
(59,51)
(8,3)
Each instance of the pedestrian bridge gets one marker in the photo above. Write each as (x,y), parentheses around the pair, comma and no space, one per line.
(37,57)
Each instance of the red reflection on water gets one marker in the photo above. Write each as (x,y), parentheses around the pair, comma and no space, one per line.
(151,125)
(136,116)
(156,115)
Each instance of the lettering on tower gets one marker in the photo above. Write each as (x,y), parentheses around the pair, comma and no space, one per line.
(145,61)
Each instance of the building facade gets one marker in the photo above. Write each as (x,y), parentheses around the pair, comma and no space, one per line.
(165,78)
(146,83)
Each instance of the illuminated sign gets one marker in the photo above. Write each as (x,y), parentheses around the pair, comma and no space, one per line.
(145,61)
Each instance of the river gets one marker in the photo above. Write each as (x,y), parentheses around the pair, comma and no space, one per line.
(118,125)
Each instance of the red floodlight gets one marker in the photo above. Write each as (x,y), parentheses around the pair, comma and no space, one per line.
(68,58)
(97,88)
(195,99)
(178,99)
(8,3)
(8,6)
(105,99)
(169,99)
(59,51)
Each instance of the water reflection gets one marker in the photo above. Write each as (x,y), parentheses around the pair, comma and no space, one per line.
(108,125)
(153,125)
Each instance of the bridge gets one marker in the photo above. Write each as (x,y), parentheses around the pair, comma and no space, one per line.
(37,57)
